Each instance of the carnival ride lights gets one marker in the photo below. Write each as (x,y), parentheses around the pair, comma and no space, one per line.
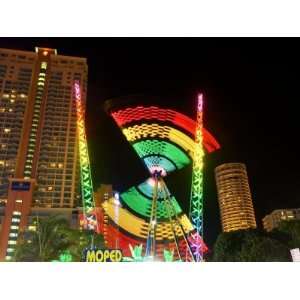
(196,202)
(85,170)
(164,140)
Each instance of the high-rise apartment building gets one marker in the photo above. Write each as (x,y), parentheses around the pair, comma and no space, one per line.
(234,196)
(39,165)
(273,220)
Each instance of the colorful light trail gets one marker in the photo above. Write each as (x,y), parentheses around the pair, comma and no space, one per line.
(125,116)
(166,141)
(196,202)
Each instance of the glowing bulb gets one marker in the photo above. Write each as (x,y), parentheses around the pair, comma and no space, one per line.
(117,198)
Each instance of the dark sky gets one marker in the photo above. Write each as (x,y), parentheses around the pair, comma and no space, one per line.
(251,89)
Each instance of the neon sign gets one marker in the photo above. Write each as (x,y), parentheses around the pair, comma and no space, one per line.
(102,255)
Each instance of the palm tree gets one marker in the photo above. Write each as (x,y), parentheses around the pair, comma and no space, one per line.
(53,238)
(45,242)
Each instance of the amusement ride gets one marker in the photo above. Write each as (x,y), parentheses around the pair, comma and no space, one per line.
(146,221)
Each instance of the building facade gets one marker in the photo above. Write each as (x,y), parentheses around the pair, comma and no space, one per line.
(39,165)
(234,196)
(273,220)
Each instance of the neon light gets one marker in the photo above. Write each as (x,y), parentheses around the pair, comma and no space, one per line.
(66,256)
(125,239)
(167,145)
(138,227)
(148,131)
(136,253)
(126,116)
(117,204)
(85,170)
(162,149)
(146,188)
(196,202)
(142,205)
(168,255)
(160,165)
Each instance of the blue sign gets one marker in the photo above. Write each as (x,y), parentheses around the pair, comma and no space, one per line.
(20,186)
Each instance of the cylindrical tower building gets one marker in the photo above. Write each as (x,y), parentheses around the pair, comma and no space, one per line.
(235,201)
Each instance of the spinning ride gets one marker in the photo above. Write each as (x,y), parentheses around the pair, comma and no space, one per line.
(148,214)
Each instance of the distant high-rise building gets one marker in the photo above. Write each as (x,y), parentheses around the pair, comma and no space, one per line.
(39,163)
(273,220)
(235,202)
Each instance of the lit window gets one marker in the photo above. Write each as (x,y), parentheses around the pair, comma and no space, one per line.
(10,249)
(52,165)
(15,220)
(60,165)
(13,234)
(2,109)
(50,188)
(7,257)
(19,201)
(12,242)
(17,213)
(10,109)
(32,228)
(41,83)
(22,95)
(2,163)
(43,65)
(5,96)
(6,130)
(14,227)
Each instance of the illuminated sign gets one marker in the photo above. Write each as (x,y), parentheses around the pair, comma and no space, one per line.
(295,254)
(102,255)
(20,186)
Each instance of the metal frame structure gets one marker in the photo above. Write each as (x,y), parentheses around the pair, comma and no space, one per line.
(173,219)
(196,201)
(85,169)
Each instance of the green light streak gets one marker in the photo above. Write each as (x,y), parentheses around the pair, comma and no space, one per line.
(162,148)
(142,205)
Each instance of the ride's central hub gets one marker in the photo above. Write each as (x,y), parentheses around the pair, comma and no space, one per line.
(157,172)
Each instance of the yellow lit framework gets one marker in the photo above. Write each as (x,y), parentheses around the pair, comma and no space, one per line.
(139,228)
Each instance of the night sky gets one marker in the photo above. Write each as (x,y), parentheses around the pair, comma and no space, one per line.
(251,89)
